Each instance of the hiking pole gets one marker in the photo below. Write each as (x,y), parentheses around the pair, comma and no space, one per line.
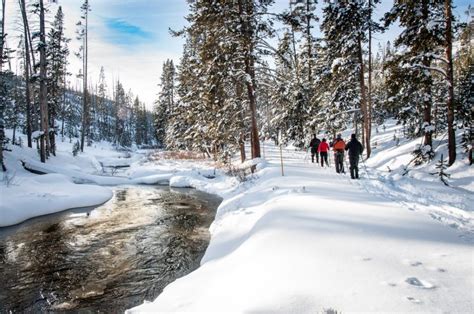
(281,152)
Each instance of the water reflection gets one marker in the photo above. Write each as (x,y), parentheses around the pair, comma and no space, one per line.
(107,259)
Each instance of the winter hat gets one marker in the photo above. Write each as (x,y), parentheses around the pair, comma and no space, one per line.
(353,136)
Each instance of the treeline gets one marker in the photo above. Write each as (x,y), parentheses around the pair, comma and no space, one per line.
(248,73)
(37,99)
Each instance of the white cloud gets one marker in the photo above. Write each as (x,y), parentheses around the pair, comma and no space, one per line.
(138,67)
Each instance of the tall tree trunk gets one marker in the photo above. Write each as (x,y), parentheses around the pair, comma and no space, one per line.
(249,61)
(309,43)
(2,104)
(369,90)
(85,106)
(427,86)
(43,88)
(449,72)
(239,92)
(363,99)
(27,72)
(2,39)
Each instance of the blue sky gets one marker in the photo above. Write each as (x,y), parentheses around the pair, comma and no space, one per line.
(123,33)
(131,38)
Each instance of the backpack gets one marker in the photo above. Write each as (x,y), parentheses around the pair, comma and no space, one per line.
(339,145)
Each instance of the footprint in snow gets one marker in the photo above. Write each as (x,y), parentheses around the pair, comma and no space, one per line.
(438,269)
(389,283)
(363,259)
(412,263)
(413,300)
(413,281)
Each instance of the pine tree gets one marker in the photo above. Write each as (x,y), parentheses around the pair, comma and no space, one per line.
(165,105)
(82,35)
(219,60)
(344,27)
(450,82)
(44,112)
(103,116)
(187,122)
(423,34)
(442,166)
(463,87)
(57,54)
(28,56)
(121,136)
(2,86)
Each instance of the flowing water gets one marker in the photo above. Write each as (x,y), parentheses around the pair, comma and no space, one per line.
(105,259)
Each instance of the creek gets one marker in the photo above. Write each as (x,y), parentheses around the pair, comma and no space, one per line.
(105,259)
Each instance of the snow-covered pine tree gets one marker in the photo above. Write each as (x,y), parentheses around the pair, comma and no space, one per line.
(301,19)
(186,127)
(15,103)
(463,86)
(441,166)
(43,101)
(219,61)
(344,27)
(104,114)
(140,122)
(165,105)
(449,79)
(294,73)
(120,114)
(422,36)
(82,35)
(290,103)
(2,86)
(57,53)
(28,70)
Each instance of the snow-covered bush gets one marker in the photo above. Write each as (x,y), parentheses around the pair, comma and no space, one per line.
(76,148)
(422,153)
(441,166)
(9,178)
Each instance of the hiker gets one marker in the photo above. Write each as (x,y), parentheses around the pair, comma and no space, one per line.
(355,149)
(314,148)
(338,147)
(323,149)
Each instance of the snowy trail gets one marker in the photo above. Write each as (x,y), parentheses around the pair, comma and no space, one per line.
(314,240)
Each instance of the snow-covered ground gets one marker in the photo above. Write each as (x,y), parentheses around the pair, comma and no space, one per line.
(81,181)
(309,241)
(315,241)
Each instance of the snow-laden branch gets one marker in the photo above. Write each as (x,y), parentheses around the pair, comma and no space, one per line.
(436,69)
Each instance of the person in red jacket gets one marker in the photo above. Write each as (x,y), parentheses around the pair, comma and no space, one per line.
(323,150)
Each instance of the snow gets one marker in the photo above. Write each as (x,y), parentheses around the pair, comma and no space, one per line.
(315,241)
(311,241)
(81,181)
(41,195)
(37,134)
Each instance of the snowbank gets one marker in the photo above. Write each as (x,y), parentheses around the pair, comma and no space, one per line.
(313,241)
(46,194)
(394,176)
(25,195)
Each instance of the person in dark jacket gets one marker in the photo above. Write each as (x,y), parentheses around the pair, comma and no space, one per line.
(323,149)
(314,148)
(355,149)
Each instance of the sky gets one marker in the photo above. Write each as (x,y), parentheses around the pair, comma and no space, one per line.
(131,38)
